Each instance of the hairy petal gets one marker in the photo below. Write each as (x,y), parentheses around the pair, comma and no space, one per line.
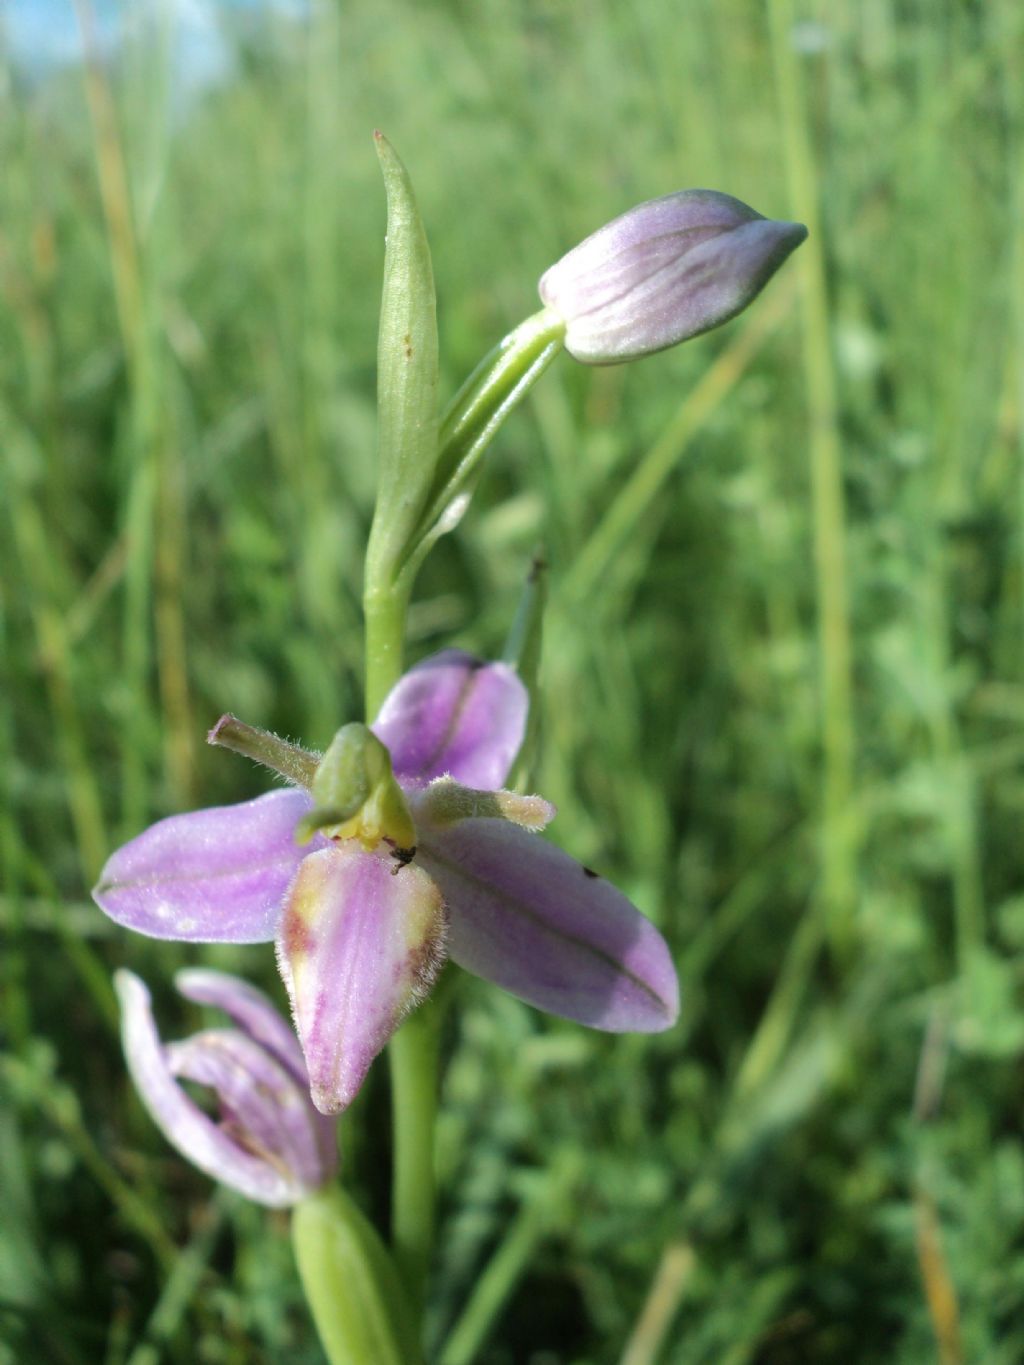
(358,946)
(454,715)
(526,916)
(211,876)
(180,1120)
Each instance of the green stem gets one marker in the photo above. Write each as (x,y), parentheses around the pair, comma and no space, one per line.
(495,1285)
(384,609)
(840,834)
(497,384)
(470,422)
(350,1284)
(413,1054)
(472,418)
(413,1051)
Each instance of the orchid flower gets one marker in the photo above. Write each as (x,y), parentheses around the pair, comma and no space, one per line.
(662,272)
(270,1143)
(418,857)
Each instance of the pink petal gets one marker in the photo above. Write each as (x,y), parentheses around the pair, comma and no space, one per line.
(358,946)
(264,1108)
(664,271)
(212,876)
(253,1011)
(180,1120)
(526,916)
(453,714)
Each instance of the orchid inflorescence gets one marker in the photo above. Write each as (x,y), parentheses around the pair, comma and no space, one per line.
(399,848)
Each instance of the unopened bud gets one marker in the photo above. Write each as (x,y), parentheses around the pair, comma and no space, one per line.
(664,271)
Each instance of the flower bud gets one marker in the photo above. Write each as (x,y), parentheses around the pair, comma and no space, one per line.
(270,1142)
(662,272)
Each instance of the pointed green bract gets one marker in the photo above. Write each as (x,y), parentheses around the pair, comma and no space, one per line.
(407,379)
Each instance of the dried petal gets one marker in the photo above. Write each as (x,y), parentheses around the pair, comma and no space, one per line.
(205,1143)
(250,1009)
(264,1108)
(454,715)
(360,943)
(526,916)
(211,876)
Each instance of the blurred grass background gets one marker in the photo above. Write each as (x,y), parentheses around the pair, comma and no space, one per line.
(783,688)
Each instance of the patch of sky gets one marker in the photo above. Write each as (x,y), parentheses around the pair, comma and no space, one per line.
(43,34)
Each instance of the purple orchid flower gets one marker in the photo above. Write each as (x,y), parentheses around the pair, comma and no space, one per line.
(270,1144)
(362,928)
(664,271)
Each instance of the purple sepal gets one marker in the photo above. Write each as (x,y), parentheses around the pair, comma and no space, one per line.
(526,916)
(662,272)
(360,943)
(454,715)
(271,1145)
(211,876)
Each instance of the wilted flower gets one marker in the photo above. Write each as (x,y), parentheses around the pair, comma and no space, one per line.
(662,272)
(434,862)
(269,1142)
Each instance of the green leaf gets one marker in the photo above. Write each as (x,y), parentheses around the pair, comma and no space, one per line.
(990,1022)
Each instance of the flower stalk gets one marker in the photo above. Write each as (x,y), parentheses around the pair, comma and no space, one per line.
(413,1056)
(384,612)
(413,1050)
(470,422)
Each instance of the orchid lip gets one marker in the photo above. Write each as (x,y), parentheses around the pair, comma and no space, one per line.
(358,947)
